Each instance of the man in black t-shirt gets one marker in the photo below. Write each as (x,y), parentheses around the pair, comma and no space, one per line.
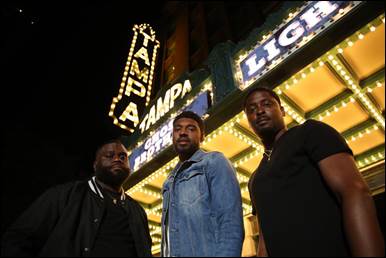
(307,191)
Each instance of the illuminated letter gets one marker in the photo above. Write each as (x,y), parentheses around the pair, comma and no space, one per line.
(316,13)
(130,113)
(150,153)
(163,107)
(187,88)
(148,144)
(158,145)
(155,137)
(164,130)
(290,34)
(253,67)
(142,53)
(143,123)
(130,88)
(151,120)
(167,139)
(137,163)
(272,50)
(146,39)
(144,74)
(143,157)
(175,91)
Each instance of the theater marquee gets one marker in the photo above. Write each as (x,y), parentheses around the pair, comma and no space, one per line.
(288,38)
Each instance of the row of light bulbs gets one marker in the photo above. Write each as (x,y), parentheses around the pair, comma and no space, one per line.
(163,171)
(362,133)
(156,248)
(155,210)
(156,231)
(356,89)
(335,108)
(371,159)
(143,27)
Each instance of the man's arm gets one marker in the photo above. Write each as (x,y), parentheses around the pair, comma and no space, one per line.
(27,235)
(149,243)
(226,205)
(359,215)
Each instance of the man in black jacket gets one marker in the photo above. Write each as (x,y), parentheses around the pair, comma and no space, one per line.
(84,218)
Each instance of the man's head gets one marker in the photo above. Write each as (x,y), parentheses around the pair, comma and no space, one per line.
(264,112)
(188,132)
(111,163)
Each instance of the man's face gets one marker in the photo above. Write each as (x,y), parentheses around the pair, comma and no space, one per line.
(111,164)
(186,136)
(264,114)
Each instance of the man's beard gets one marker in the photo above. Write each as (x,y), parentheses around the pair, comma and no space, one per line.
(190,150)
(109,178)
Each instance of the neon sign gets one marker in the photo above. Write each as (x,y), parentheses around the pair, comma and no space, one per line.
(135,91)
(288,38)
(164,104)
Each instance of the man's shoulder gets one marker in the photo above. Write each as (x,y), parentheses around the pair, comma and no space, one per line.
(214,156)
(72,184)
(317,126)
(63,191)
(134,202)
(310,123)
(68,187)
(216,159)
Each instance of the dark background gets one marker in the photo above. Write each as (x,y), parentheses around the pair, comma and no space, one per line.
(61,65)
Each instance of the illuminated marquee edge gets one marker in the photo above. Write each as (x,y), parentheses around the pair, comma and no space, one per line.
(241,56)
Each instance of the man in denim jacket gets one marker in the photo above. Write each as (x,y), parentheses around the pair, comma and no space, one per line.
(202,211)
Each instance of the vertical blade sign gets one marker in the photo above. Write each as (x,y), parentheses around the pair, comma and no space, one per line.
(135,91)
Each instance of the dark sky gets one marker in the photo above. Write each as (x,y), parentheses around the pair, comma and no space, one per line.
(61,64)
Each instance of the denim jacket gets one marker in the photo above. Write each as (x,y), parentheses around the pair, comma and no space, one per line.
(202,200)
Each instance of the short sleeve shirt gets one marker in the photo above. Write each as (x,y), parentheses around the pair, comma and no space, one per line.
(298,213)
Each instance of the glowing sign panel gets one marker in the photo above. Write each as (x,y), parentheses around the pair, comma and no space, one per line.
(134,93)
(309,22)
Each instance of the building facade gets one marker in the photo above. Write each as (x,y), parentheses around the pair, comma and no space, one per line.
(325,60)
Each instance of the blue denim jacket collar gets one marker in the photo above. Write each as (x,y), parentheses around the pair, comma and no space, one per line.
(196,157)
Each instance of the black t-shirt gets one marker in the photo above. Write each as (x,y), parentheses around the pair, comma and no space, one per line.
(297,212)
(114,238)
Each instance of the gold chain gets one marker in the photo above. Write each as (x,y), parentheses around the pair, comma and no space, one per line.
(268,153)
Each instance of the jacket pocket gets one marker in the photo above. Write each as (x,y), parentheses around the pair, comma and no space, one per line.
(191,186)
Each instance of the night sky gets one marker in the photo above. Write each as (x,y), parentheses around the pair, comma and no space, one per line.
(61,65)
